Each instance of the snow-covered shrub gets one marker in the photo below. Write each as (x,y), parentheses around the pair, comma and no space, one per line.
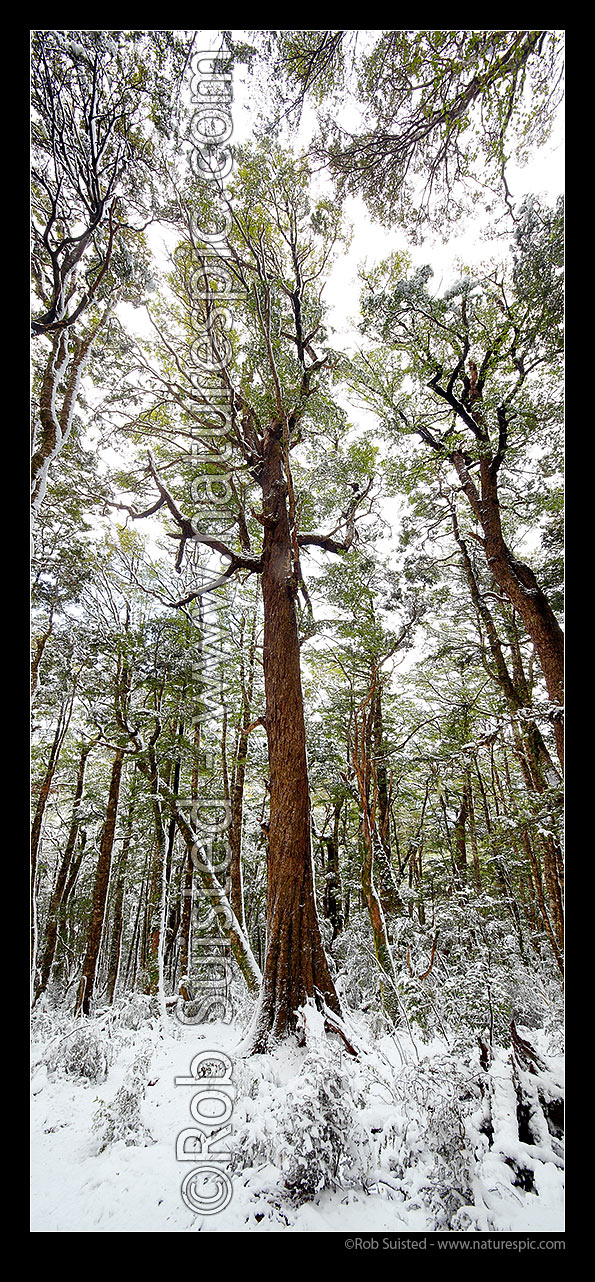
(48,1023)
(323,1142)
(307,1126)
(86,1051)
(357,975)
(425,1146)
(121,1120)
(240,1002)
(135,1011)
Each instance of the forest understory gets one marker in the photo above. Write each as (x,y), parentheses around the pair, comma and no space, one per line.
(419,1128)
(409,1137)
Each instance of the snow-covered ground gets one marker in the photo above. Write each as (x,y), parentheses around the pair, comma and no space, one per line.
(408,1138)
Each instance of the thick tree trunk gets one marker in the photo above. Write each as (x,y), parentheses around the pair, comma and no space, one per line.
(519,584)
(296,967)
(87,984)
(117,926)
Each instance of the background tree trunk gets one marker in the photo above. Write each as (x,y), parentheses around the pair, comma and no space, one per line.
(51,932)
(87,984)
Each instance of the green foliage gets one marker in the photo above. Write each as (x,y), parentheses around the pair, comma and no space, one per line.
(438,113)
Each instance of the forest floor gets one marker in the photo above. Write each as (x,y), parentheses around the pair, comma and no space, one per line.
(406,1138)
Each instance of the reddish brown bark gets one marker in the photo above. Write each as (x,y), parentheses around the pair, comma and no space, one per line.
(387,886)
(516,579)
(87,984)
(532,753)
(296,967)
(518,582)
(187,878)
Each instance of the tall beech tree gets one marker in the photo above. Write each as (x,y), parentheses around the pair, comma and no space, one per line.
(101,102)
(268,399)
(488,350)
